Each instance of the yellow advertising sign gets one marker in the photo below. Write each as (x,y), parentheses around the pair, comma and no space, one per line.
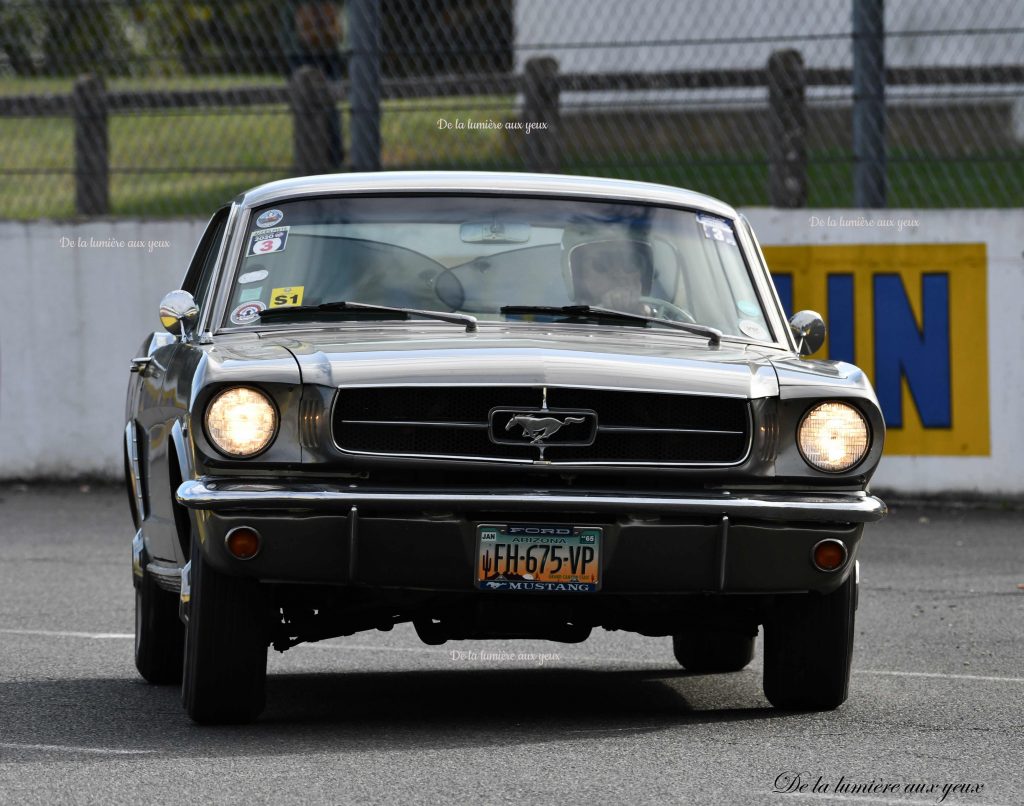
(914,317)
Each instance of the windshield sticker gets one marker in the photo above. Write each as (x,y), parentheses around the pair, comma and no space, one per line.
(269,218)
(748,308)
(249,294)
(286,297)
(253,276)
(754,330)
(717,229)
(247,313)
(268,240)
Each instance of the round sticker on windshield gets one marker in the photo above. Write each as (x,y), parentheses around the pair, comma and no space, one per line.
(748,308)
(269,218)
(253,276)
(247,313)
(754,330)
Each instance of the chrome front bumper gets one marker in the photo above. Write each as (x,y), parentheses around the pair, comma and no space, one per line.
(416,539)
(221,495)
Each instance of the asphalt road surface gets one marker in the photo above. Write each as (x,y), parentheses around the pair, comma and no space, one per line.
(936,711)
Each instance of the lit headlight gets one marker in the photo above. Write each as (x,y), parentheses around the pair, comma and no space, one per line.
(241,422)
(833,437)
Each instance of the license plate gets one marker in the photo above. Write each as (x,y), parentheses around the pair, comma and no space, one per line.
(538,557)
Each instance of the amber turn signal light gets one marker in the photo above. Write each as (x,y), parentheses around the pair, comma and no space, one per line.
(243,542)
(829,555)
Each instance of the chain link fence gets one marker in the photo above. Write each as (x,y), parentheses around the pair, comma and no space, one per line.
(161,108)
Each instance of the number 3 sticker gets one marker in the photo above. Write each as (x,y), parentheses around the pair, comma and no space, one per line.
(268,240)
(286,297)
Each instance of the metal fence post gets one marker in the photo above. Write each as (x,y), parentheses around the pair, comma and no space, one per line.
(787,179)
(312,109)
(869,167)
(92,162)
(364,76)
(540,106)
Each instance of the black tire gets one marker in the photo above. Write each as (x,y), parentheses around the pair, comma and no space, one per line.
(808,649)
(706,652)
(225,668)
(159,633)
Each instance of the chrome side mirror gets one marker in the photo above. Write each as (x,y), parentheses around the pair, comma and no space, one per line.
(179,313)
(809,331)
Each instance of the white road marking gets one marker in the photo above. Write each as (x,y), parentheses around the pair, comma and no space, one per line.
(942,676)
(59,634)
(70,748)
(567,657)
(573,657)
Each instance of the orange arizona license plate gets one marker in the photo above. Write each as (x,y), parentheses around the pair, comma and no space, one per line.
(538,557)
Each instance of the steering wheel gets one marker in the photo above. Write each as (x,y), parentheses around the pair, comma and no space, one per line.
(667,310)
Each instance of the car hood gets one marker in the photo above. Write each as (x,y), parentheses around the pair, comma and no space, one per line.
(588,357)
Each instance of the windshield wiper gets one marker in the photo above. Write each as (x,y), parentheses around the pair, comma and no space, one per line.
(342,306)
(714,335)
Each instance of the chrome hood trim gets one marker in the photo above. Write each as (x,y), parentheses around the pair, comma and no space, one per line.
(585,357)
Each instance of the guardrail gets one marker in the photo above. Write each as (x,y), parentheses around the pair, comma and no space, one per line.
(313,103)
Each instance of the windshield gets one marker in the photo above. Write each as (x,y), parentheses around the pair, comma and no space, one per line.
(479,254)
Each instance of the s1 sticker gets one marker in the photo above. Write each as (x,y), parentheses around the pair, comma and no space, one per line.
(717,229)
(253,276)
(247,312)
(249,294)
(754,330)
(286,297)
(268,218)
(268,240)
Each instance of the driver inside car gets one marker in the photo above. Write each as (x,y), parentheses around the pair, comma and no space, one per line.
(608,270)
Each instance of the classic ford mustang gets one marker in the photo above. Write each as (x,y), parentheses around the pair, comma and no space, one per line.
(494,406)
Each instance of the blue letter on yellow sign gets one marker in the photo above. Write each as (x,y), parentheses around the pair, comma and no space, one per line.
(913,316)
(921,356)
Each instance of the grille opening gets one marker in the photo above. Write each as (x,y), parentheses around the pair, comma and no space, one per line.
(453,422)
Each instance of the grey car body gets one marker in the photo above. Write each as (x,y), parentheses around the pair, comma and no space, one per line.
(371,499)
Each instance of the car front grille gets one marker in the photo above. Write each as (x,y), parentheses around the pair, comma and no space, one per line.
(633,427)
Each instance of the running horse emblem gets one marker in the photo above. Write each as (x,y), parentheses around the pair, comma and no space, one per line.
(540,428)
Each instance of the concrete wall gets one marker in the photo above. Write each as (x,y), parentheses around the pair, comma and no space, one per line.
(73,315)
(71,318)
(981,448)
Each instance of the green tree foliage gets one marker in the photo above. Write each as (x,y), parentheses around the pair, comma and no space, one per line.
(84,36)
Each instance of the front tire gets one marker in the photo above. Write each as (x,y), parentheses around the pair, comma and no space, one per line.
(707,652)
(159,633)
(808,649)
(225,668)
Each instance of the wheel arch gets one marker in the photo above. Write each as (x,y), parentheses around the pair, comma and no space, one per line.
(134,477)
(179,469)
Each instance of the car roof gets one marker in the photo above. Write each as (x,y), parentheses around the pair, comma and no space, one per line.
(484,182)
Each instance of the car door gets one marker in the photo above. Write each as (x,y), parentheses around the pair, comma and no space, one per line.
(159,394)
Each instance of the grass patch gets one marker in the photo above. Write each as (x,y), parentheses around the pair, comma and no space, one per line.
(191,161)
(187,162)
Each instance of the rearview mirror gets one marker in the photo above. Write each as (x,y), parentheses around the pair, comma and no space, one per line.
(809,331)
(179,313)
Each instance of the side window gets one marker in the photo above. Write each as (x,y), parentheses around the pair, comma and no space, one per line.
(200,270)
